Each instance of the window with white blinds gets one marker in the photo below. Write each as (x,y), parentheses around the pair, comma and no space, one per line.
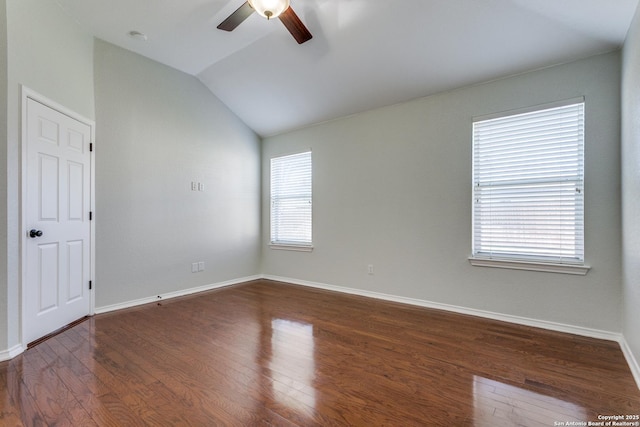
(528,186)
(291,200)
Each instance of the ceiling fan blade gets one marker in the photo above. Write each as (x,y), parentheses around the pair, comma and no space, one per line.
(237,17)
(295,26)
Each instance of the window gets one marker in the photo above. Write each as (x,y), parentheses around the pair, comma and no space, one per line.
(291,202)
(528,189)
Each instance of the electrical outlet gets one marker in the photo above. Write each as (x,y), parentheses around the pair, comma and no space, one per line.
(201,266)
(200,186)
(194,267)
(370,269)
(194,186)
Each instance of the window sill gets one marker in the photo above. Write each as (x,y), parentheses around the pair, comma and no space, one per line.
(576,269)
(296,248)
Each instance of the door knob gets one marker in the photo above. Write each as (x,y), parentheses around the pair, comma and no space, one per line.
(33,233)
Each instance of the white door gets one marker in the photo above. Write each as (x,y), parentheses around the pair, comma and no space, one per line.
(58,229)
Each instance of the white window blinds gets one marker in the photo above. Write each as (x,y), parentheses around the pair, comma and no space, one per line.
(528,186)
(291,200)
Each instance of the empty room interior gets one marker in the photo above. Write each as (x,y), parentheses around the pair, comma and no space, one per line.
(379,213)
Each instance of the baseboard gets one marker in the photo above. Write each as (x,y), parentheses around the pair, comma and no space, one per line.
(553,326)
(18,349)
(11,353)
(543,324)
(631,360)
(175,294)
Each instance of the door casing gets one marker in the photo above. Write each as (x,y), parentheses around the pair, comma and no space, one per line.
(27,93)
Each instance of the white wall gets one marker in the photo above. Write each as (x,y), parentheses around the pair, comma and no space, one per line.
(631,187)
(49,53)
(157,131)
(392,188)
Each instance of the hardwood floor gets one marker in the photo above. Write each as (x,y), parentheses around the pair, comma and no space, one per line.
(268,353)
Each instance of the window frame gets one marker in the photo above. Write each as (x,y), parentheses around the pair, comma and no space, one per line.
(276,242)
(522,260)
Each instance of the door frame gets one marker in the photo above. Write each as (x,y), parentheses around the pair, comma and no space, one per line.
(26,94)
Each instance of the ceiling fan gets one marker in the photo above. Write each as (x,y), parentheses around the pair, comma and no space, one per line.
(269,9)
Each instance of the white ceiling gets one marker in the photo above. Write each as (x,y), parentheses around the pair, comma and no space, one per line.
(364,53)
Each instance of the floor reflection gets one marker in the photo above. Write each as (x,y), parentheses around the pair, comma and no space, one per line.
(293,364)
(497,403)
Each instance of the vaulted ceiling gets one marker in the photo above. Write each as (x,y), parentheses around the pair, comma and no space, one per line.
(364,53)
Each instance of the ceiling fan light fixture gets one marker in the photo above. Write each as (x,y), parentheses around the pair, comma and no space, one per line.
(269,8)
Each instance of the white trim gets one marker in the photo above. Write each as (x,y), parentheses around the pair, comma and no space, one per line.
(11,353)
(543,324)
(631,360)
(576,269)
(92,207)
(175,294)
(298,248)
(27,93)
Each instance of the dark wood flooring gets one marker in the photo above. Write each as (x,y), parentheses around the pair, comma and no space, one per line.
(268,353)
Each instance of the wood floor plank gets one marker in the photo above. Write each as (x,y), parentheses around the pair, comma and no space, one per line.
(208,366)
(179,369)
(274,354)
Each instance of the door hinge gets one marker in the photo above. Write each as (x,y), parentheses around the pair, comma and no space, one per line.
(91,146)
(90,216)
(90,285)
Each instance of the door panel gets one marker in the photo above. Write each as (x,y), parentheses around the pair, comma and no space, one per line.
(75,252)
(57,262)
(48,130)
(76,141)
(47,283)
(48,187)
(75,194)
